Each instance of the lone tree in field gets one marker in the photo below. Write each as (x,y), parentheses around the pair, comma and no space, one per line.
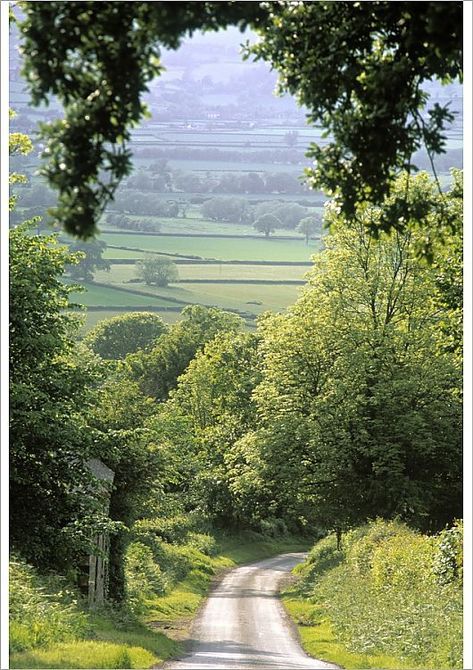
(157,270)
(307,227)
(267,224)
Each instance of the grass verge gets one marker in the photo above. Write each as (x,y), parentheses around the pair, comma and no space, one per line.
(388,597)
(319,640)
(112,642)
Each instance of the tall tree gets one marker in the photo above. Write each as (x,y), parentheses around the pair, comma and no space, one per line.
(159,270)
(215,394)
(308,226)
(124,334)
(51,502)
(267,224)
(90,259)
(359,403)
(157,371)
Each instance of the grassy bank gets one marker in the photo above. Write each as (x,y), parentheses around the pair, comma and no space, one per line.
(50,630)
(388,598)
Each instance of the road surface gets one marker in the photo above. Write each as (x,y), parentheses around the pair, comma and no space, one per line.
(243,624)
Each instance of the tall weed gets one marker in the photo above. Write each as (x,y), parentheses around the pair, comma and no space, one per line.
(42,611)
(392,591)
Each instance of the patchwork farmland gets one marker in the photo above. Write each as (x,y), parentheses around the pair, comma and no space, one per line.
(219,155)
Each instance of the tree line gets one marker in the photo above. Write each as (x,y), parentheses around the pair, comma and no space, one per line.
(346,407)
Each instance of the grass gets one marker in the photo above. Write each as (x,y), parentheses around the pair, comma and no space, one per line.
(243,296)
(122,253)
(185,598)
(239,166)
(388,598)
(220,248)
(252,298)
(121,274)
(198,226)
(319,640)
(117,644)
(100,295)
(85,654)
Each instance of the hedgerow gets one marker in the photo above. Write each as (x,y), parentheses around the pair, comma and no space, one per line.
(390,590)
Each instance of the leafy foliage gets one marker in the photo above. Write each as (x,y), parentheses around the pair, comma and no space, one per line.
(123,334)
(158,270)
(37,616)
(382,595)
(267,224)
(353,401)
(158,370)
(50,484)
(308,226)
(358,67)
(90,260)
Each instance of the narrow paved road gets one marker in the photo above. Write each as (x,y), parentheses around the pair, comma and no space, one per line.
(243,625)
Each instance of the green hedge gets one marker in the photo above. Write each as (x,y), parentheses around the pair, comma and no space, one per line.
(390,590)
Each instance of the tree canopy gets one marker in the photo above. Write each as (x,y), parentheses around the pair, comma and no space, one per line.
(124,334)
(357,66)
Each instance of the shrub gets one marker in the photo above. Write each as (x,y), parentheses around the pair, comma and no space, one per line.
(361,543)
(392,591)
(171,529)
(40,615)
(203,542)
(273,527)
(322,557)
(403,561)
(448,561)
(144,578)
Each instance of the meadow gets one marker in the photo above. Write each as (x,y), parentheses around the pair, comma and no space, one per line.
(226,249)
(191,237)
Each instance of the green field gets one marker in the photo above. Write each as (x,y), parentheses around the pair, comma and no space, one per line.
(242,249)
(237,166)
(197,226)
(122,274)
(239,297)
(95,296)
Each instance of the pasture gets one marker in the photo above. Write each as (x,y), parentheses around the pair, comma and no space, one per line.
(227,249)
(97,296)
(122,275)
(195,225)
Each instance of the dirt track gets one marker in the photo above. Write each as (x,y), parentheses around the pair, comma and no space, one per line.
(243,625)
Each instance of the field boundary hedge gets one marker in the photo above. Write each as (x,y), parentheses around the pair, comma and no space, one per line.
(299,238)
(208,261)
(267,282)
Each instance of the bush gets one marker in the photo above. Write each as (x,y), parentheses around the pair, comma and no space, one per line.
(392,591)
(448,561)
(42,610)
(402,561)
(361,543)
(273,527)
(144,578)
(171,529)
(203,542)
(322,557)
